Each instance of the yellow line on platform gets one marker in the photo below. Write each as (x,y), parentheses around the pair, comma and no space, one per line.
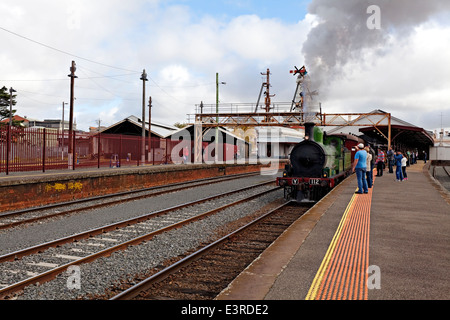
(312,293)
(342,273)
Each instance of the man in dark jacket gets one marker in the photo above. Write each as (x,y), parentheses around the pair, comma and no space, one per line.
(390,157)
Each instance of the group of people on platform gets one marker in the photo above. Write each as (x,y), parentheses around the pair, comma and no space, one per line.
(365,161)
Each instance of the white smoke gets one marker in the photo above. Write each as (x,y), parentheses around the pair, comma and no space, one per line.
(342,34)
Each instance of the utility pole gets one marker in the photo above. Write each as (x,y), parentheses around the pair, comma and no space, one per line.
(267,93)
(72,84)
(144,79)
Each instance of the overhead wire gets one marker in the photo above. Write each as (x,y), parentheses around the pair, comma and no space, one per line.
(97,84)
(64,52)
(37,101)
(101,76)
(31,80)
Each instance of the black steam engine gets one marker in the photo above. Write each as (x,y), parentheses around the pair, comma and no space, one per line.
(317,164)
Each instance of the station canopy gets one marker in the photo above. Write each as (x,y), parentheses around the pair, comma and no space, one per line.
(403,134)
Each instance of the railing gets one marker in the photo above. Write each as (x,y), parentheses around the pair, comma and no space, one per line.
(38,149)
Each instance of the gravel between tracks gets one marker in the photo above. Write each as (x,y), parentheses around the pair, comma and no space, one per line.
(30,235)
(99,275)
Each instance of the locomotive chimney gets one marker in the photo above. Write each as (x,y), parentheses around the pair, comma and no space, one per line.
(309,131)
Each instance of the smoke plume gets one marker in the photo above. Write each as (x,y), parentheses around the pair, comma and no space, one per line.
(342,34)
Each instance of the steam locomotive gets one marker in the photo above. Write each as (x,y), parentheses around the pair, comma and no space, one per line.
(317,164)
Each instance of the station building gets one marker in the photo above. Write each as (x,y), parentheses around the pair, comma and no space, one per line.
(164,138)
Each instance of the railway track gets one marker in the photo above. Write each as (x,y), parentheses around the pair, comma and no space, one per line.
(30,215)
(43,262)
(442,174)
(204,273)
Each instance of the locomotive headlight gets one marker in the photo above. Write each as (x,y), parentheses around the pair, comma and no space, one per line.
(285,173)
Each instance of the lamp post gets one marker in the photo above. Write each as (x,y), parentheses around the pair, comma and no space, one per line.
(144,79)
(150,130)
(11,90)
(72,76)
(8,146)
(217,117)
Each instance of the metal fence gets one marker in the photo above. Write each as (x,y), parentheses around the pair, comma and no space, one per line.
(38,149)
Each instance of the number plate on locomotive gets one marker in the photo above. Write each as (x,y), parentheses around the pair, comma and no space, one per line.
(314,181)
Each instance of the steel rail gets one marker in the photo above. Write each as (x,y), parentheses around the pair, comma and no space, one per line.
(135,290)
(446,171)
(51,274)
(103,229)
(113,202)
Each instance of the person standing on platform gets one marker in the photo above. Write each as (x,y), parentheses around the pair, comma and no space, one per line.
(369,176)
(390,157)
(404,164)
(359,166)
(380,163)
(398,163)
(424,157)
(185,155)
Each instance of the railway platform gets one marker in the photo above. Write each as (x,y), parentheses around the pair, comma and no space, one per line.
(20,190)
(390,244)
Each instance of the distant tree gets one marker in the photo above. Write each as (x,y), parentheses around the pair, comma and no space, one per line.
(180,125)
(4,103)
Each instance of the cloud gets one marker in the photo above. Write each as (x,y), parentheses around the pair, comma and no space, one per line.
(401,68)
(180,50)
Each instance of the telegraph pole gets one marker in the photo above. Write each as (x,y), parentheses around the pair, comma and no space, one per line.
(144,79)
(72,84)
(267,93)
